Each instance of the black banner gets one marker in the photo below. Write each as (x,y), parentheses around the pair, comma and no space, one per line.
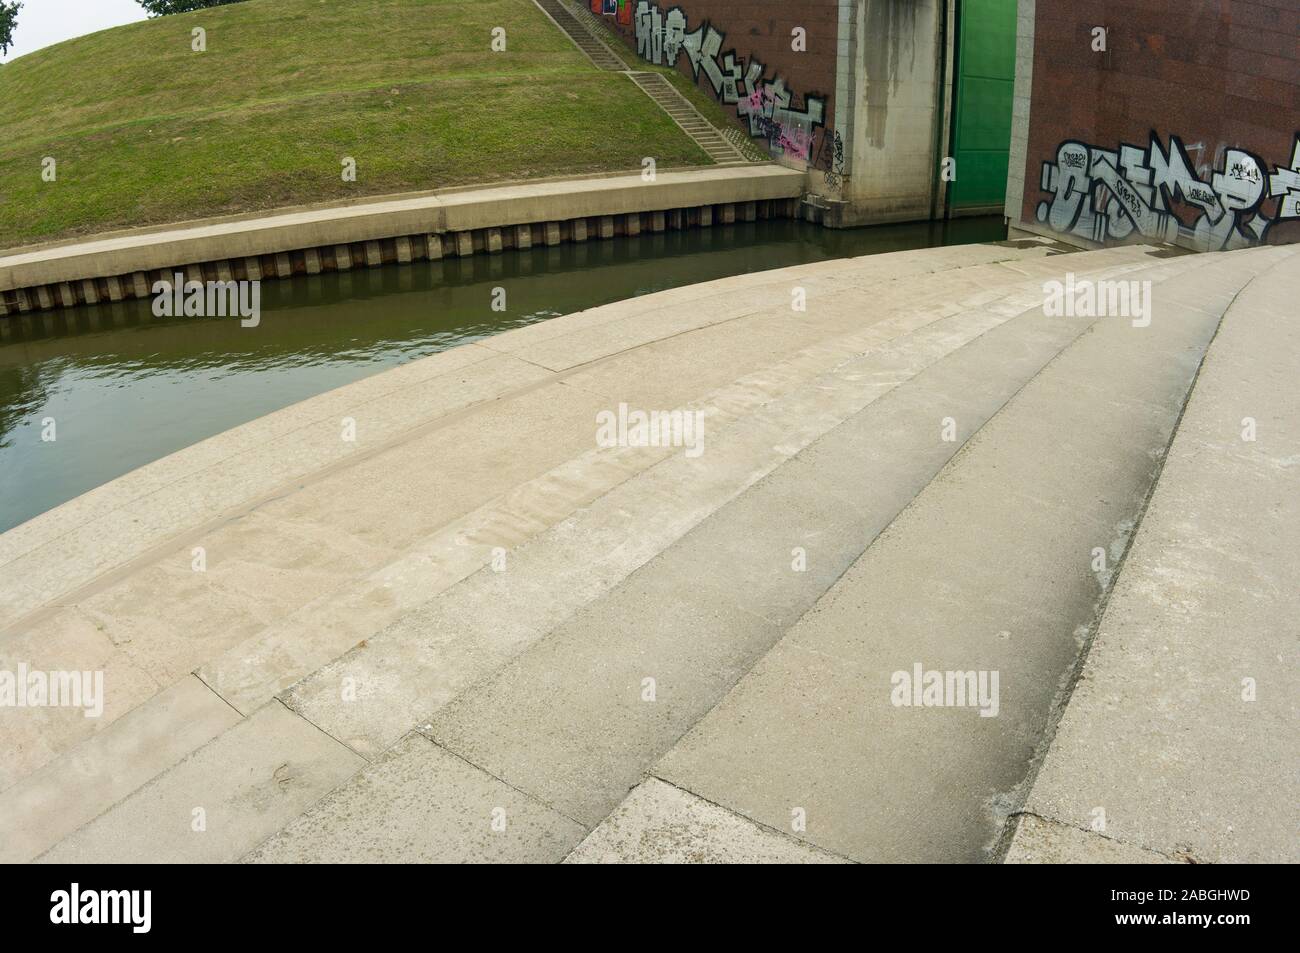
(135,904)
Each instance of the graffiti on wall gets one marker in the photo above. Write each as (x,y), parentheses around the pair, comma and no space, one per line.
(767,105)
(1160,194)
(831,160)
(621,9)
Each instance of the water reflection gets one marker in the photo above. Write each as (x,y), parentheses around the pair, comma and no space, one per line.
(124,387)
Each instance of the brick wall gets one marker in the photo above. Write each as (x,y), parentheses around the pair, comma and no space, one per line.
(753,32)
(1213,75)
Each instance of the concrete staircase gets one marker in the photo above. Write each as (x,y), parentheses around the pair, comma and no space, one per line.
(583,38)
(719,147)
(1193,665)
(485,638)
(590,38)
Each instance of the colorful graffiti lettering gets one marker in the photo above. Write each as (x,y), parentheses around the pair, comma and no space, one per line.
(1157,193)
(622,9)
(767,105)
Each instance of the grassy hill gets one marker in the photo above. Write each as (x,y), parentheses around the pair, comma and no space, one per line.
(147,131)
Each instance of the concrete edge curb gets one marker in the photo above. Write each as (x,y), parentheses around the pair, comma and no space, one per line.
(395,231)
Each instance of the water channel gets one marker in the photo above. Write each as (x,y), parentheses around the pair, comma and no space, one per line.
(123,388)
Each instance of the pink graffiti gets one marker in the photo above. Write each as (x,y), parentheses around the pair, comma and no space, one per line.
(796,142)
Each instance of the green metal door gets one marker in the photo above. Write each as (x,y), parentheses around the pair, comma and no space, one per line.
(981,127)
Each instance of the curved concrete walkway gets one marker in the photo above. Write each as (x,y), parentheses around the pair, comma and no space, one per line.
(400,640)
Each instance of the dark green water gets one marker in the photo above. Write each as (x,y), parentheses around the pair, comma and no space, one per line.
(125,388)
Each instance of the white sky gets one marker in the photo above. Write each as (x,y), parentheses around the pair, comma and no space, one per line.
(44,22)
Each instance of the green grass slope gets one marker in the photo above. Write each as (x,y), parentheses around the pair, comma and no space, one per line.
(146,131)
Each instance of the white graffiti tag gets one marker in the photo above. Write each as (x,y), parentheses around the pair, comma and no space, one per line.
(765,104)
(1285,185)
(1104,195)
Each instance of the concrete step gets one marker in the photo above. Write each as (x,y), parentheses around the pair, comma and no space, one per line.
(824,283)
(578,758)
(687,830)
(988,569)
(1191,665)
(436,512)
(759,420)
(686,115)
(248,675)
(581,36)
(240,787)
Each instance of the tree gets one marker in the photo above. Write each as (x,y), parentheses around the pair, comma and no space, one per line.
(160,8)
(8,23)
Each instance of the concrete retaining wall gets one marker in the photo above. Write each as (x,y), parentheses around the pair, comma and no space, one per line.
(397,231)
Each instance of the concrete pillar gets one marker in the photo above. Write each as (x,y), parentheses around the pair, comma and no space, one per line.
(114,289)
(607,226)
(892,134)
(342,258)
(4,308)
(523,236)
(223,271)
(727,213)
(311,259)
(374,255)
(578,229)
(253,269)
(193,273)
(403,246)
(433,243)
(66,295)
(464,244)
(657,223)
(676,219)
(749,211)
(283,265)
(45,299)
(24,302)
(632,227)
(706,216)
(552,232)
(494,241)
(90,291)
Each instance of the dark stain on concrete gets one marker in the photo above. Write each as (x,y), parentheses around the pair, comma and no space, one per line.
(889,36)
